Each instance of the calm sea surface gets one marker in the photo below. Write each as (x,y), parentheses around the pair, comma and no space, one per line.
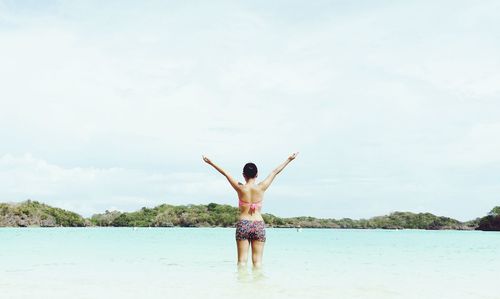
(201,263)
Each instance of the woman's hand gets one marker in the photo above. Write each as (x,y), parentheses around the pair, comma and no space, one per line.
(293,156)
(207,160)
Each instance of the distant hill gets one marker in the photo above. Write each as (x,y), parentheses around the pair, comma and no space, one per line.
(491,222)
(226,216)
(168,215)
(33,213)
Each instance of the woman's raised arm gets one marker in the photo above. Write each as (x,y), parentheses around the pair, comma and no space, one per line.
(234,183)
(267,182)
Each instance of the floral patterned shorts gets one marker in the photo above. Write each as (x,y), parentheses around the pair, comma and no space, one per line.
(250,230)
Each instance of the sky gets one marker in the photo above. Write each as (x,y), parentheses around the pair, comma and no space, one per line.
(393,105)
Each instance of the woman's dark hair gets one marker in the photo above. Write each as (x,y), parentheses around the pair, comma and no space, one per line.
(250,170)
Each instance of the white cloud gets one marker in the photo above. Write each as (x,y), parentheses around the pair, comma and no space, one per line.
(479,146)
(91,190)
(123,100)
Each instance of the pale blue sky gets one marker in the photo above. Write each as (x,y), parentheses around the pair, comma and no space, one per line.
(393,105)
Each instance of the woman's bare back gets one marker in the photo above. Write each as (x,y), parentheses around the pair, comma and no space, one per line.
(250,193)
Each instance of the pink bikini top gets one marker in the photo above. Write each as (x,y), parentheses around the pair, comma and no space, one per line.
(252,205)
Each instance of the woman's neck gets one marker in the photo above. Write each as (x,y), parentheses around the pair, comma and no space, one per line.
(250,181)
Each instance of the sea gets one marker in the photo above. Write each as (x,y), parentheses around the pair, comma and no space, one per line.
(97,262)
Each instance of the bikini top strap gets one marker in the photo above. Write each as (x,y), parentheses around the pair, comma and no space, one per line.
(249,203)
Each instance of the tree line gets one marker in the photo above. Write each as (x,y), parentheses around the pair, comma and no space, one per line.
(34,213)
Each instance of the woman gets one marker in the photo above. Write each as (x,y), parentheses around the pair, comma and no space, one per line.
(250,228)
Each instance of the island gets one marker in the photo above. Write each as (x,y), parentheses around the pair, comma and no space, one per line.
(31,213)
(491,222)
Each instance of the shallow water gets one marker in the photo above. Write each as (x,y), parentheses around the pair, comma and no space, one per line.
(201,263)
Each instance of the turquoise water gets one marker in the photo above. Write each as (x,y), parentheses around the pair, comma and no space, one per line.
(201,263)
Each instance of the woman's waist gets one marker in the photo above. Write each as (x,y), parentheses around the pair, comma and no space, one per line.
(254,216)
